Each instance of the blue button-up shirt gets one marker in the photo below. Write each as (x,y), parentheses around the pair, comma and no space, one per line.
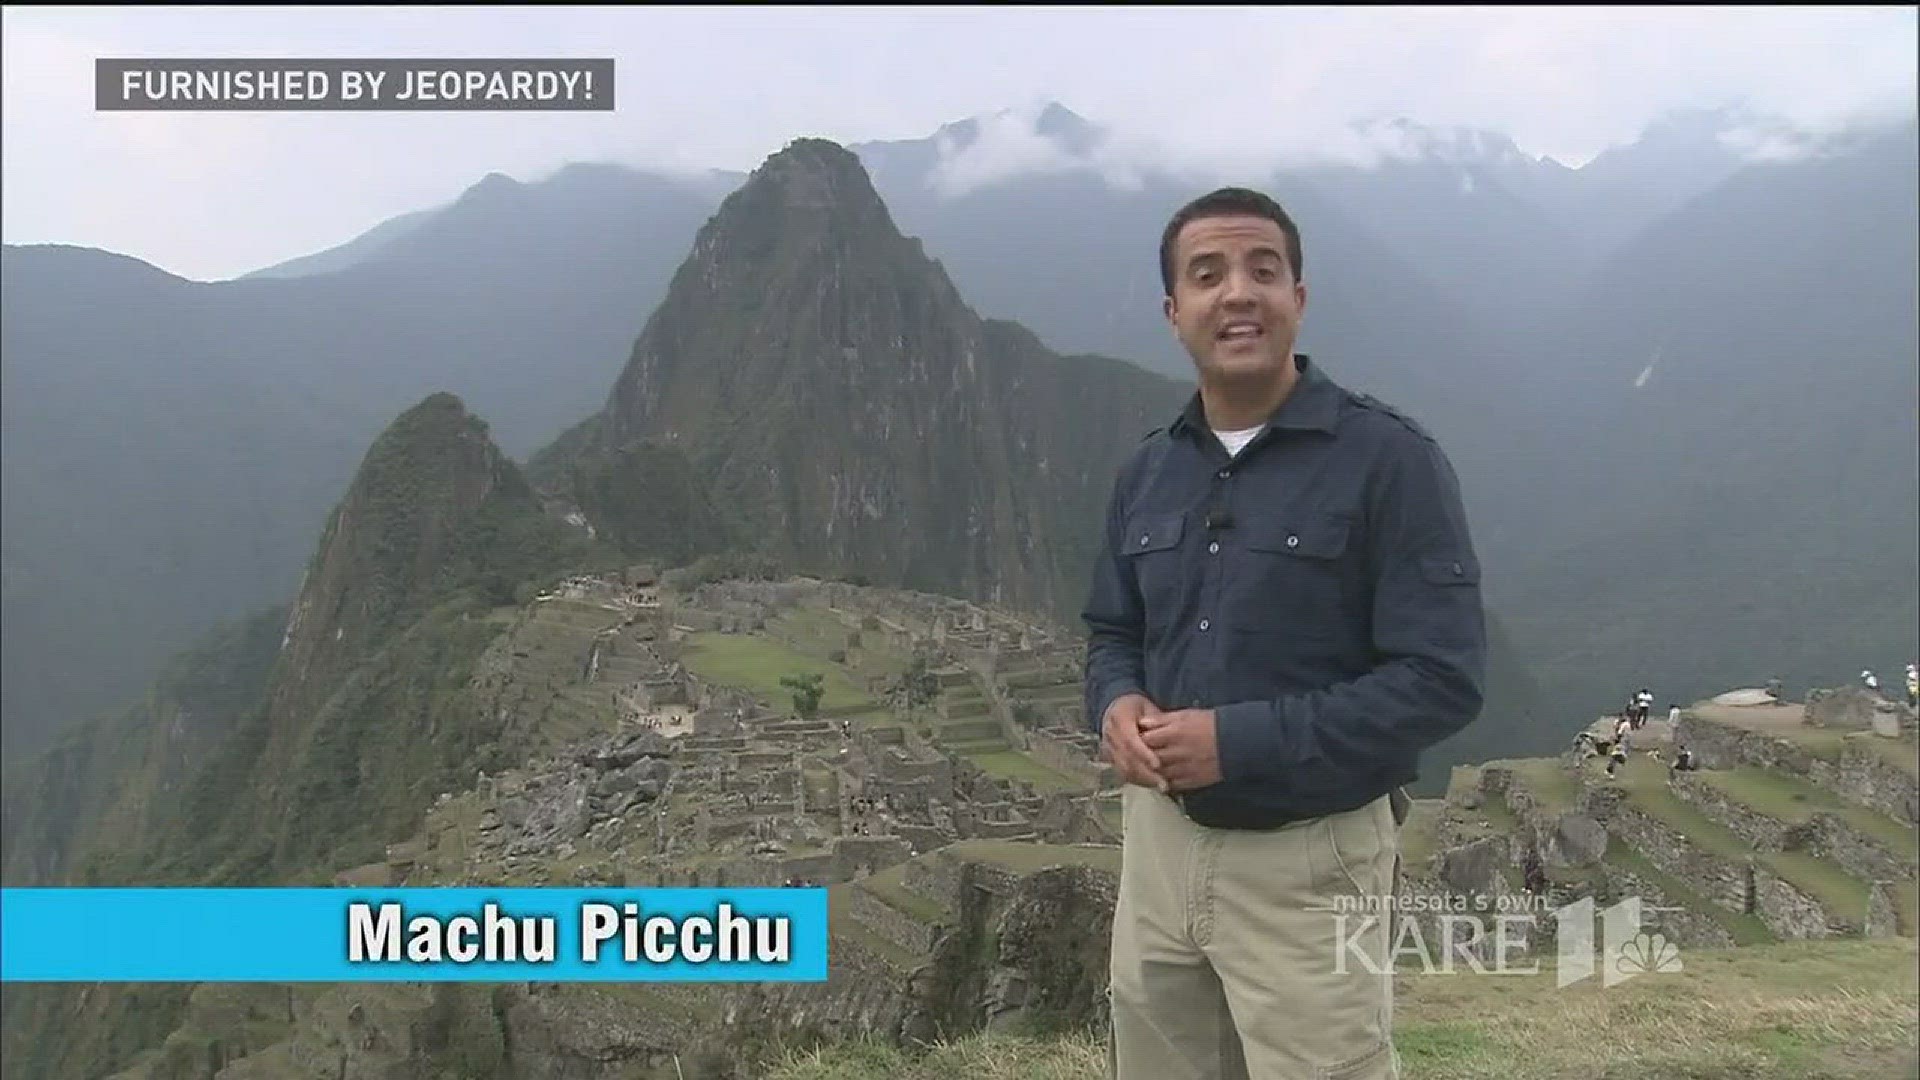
(1319,591)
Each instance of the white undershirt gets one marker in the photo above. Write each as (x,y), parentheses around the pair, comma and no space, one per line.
(1236,441)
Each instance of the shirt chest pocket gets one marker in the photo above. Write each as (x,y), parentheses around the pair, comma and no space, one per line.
(1293,576)
(1152,548)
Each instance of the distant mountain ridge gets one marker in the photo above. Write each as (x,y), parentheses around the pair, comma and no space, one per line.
(141,507)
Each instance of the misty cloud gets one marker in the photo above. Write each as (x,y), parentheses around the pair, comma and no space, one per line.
(1211,92)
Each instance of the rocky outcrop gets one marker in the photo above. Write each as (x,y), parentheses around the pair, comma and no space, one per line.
(1850,708)
(1025,952)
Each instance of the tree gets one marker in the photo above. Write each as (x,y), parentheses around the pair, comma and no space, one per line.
(807,691)
(918,685)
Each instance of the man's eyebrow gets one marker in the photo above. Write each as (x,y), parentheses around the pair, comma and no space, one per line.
(1214,256)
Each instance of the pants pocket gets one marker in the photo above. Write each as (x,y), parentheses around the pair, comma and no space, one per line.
(1380,1063)
(1357,843)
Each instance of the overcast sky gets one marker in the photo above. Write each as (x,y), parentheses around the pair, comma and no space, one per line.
(212,195)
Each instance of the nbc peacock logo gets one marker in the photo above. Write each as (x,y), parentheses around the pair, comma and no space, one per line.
(1627,951)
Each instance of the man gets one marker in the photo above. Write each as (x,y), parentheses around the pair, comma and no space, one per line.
(1285,614)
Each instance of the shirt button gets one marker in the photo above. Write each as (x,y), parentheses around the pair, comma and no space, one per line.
(1293,541)
(1456,570)
(1224,473)
(1213,548)
(1143,541)
(1204,624)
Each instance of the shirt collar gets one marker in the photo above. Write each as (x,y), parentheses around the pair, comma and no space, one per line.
(1312,405)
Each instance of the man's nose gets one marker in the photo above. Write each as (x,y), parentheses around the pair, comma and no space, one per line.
(1239,288)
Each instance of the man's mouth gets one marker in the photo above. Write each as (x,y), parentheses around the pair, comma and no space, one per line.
(1240,331)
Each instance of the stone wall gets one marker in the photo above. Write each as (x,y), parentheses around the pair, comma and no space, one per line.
(896,926)
(1823,835)
(1830,837)
(864,996)
(1793,914)
(1763,832)
(937,773)
(1864,777)
(1861,775)
(936,875)
(905,794)
(1058,752)
(1847,707)
(857,856)
(814,868)
(1004,830)
(921,838)
(1717,880)
(1685,927)
(1883,905)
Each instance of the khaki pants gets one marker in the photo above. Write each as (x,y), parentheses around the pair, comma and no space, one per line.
(1223,969)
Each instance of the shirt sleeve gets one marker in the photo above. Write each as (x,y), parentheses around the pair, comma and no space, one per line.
(1429,640)
(1116,620)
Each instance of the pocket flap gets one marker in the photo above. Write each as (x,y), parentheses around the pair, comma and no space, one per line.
(1314,537)
(1450,570)
(1152,532)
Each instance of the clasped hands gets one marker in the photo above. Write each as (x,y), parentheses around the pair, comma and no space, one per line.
(1170,752)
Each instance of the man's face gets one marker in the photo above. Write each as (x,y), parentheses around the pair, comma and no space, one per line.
(1235,303)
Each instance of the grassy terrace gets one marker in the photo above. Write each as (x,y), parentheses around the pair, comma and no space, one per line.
(890,886)
(1027,858)
(1792,800)
(1839,893)
(1016,765)
(756,664)
(1745,929)
(1827,743)
(1555,789)
(1907,906)
(1901,753)
(842,925)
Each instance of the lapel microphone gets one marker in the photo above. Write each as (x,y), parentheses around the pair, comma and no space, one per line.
(1219,517)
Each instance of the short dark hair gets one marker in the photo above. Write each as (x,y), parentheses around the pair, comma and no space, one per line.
(1229,200)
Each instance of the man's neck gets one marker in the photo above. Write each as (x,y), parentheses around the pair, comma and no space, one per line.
(1240,404)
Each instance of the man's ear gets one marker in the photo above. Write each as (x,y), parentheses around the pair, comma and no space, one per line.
(1300,295)
(1170,309)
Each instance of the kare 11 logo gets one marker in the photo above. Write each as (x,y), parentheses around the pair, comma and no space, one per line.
(1625,952)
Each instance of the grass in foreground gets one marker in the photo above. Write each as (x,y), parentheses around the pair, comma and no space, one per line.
(1789,1011)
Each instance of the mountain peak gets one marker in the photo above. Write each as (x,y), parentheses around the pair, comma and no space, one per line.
(1402,140)
(812,173)
(812,199)
(493,188)
(1067,129)
(782,273)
